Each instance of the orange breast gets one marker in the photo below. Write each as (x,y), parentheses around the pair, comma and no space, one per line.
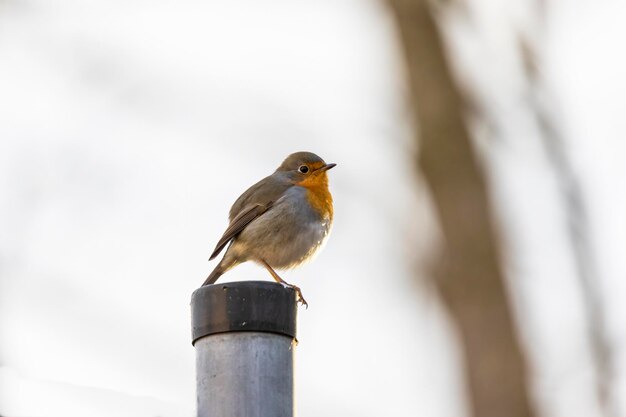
(318,195)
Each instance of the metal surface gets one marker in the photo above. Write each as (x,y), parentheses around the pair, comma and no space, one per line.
(244,336)
(245,374)
(243,306)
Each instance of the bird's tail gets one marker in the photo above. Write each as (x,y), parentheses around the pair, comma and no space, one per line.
(214,275)
(225,264)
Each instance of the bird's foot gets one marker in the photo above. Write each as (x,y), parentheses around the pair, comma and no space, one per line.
(300,297)
(284,283)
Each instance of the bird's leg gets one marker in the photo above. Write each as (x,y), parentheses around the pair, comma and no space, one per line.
(285,283)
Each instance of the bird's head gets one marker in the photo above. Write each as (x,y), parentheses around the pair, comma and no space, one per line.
(305,169)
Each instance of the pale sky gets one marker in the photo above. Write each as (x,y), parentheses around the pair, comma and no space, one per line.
(129,128)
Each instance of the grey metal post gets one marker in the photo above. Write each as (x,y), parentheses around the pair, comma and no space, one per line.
(244,335)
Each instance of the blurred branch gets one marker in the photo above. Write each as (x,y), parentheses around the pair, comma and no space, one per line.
(577,224)
(470,279)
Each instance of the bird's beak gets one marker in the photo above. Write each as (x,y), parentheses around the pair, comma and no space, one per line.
(326,167)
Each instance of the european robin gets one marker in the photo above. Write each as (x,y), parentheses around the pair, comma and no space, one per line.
(281,221)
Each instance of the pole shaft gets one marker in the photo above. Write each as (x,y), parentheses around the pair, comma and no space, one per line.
(244,336)
(246,374)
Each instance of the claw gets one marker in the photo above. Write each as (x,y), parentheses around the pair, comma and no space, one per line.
(300,297)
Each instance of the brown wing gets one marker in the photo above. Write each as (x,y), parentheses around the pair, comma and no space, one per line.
(264,192)
(255,201)
(238,224)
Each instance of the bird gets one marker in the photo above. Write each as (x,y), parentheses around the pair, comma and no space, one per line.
(281,221)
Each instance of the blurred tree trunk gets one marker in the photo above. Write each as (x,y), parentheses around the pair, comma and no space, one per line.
(469,278)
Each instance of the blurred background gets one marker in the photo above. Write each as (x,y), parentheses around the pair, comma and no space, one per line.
(476,262)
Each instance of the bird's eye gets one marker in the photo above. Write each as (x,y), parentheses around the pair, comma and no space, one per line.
(303,169)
